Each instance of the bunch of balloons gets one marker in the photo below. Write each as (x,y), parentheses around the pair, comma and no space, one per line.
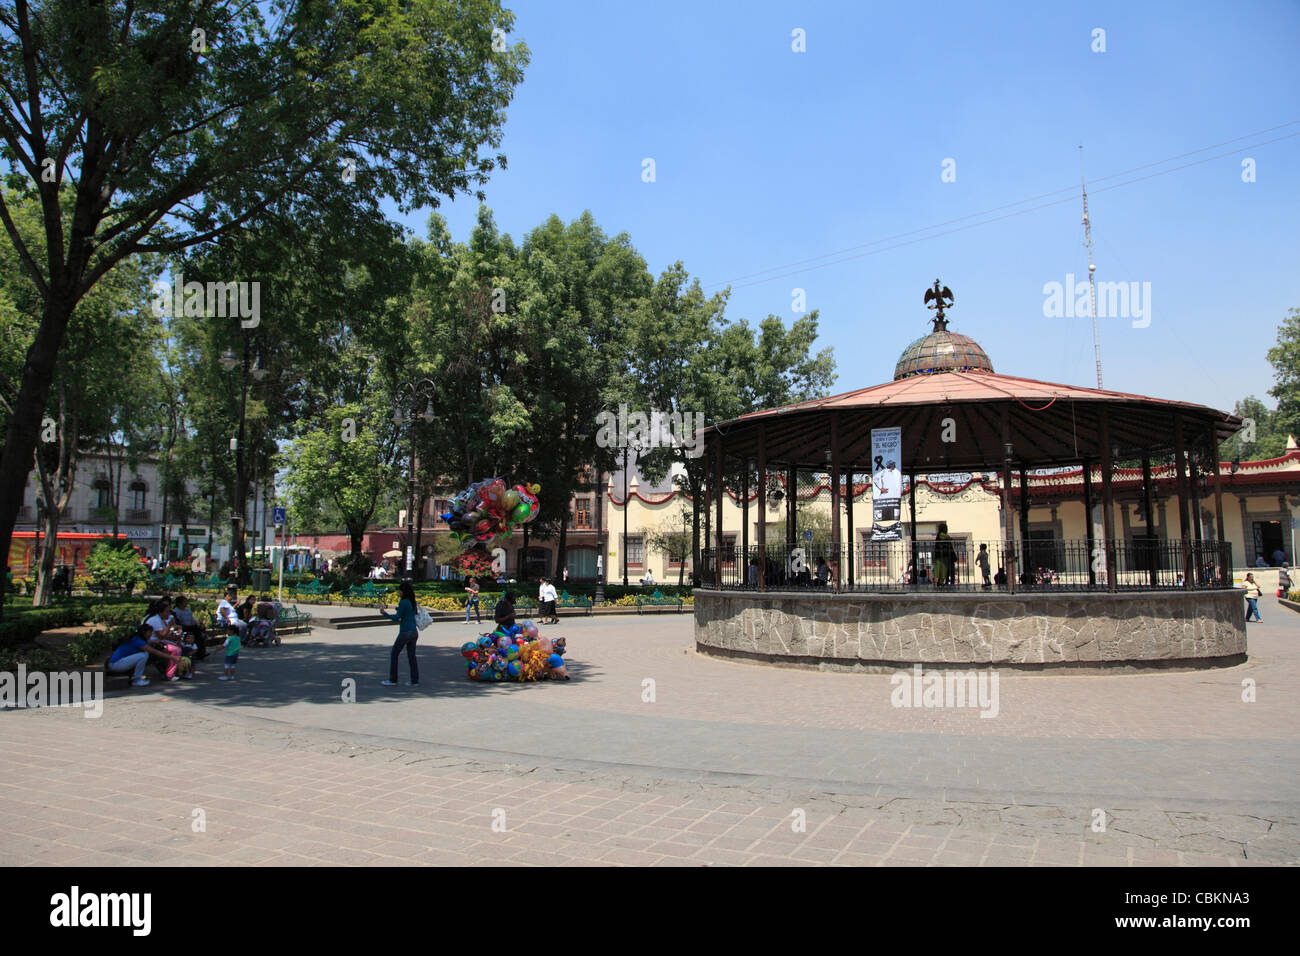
(488,511)
(515,653)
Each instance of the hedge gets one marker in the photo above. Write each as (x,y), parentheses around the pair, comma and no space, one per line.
(35,659)
(23,624)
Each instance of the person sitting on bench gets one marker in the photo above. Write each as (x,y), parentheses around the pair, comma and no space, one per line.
(226,613)
(190,627)
(133,654)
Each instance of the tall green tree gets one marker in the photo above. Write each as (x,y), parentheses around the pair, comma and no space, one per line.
(171,124)
(1285,358)
(341,470)
(685,357)
(1260,437)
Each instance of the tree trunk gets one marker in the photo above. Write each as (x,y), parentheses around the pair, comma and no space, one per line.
(418,572)
(23,429)
(561,557)
(45,574)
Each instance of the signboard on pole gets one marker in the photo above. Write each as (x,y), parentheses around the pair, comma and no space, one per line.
(886,484)
(277,516)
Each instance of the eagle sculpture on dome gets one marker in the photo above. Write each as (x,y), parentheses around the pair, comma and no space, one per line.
(939,299)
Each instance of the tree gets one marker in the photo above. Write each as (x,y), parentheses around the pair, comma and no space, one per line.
(165,135)
(341,469)
(1259,438)
(96,376)
(1285,358)
(683,356)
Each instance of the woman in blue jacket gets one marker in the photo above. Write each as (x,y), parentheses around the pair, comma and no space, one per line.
(407,635)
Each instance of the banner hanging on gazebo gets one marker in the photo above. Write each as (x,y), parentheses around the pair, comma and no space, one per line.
(886,484)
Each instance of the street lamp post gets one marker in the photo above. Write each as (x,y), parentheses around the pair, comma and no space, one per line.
(229,361)
(408,394)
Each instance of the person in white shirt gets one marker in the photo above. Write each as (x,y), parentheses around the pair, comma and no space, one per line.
(649,577)
(226,611)
(547,598)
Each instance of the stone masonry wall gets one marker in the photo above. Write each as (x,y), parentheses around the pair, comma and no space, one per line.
(972,628)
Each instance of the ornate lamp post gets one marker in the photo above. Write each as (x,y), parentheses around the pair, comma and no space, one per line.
(407,398)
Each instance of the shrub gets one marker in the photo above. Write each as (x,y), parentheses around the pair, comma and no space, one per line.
(93,646)
(35,658)
(24,624)
(120,614)
(111,564)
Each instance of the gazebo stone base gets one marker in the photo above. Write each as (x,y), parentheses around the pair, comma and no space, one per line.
(1137,630)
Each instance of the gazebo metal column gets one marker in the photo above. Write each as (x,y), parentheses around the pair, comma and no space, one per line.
(1181,470)
(744,522)
(717,494)
(791,492)
(1107,501)
(1008,518)
(1194,480)
(1089,530)
(848,510)
(913,564)
(835,497)
(1221,562)
(1024,518)
(1150,550)
(762,507)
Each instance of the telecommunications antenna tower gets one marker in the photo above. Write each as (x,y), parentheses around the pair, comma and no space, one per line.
(1092,269)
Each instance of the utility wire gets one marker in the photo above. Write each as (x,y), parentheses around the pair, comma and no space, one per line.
(851,253)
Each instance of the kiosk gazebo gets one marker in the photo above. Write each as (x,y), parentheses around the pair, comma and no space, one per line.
(875,604)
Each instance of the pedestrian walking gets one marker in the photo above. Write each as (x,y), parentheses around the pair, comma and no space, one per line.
(407,635)
(472,601)
(1253,592)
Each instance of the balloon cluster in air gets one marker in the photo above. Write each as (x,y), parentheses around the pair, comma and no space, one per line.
(515,653)
(487,511)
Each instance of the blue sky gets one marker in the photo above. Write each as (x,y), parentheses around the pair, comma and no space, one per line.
(766,157)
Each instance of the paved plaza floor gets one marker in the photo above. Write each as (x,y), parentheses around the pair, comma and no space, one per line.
(653,754)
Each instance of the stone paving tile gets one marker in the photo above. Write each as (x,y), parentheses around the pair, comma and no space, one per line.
(345,795)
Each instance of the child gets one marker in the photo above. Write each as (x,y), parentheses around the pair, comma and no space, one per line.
(982,560)
(232,656)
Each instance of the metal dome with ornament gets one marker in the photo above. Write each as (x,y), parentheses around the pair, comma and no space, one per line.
(941,350)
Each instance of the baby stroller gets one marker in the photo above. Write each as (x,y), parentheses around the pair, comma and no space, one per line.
(261,629)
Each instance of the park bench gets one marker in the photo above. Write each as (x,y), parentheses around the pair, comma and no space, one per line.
(314,589)
(657,600)
(107,590)
(291,618)
(166,583)
(212,582)
(567,600)
(370,591)
(522,605)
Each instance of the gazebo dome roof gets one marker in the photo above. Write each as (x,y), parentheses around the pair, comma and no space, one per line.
(941,351)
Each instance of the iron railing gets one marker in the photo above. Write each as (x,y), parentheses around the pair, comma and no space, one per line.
(1052,565)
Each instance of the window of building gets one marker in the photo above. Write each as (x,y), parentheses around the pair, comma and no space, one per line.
(138,490)
(103,494)
(728,549)
(635,549)
(582,513)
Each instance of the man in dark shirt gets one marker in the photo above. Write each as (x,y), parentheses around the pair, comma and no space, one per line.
(505,611)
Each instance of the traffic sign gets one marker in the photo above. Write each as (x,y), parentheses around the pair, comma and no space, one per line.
(277,516)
